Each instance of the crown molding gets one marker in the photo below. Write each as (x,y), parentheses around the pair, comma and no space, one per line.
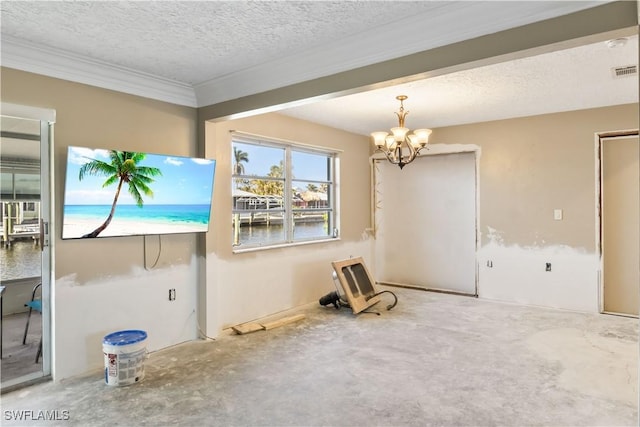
(27,56)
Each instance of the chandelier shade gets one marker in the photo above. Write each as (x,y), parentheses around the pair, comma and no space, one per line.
(402,145)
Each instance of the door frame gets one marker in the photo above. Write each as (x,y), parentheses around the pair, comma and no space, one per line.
(433,150)
(47,118)
(599,136)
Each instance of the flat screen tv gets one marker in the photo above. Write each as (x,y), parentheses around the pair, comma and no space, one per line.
(121,193)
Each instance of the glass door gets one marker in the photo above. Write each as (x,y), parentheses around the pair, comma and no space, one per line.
(25,261)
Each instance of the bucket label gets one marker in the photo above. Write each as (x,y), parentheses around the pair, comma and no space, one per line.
(130,365)
(125,368)
(113,364)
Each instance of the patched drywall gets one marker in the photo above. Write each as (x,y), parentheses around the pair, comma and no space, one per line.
(86,311)
(519,274)
(260,284)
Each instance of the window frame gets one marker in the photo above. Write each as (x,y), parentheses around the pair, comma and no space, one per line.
(288,210)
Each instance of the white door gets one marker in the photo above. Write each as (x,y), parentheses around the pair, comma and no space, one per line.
(620,190)
(426,223)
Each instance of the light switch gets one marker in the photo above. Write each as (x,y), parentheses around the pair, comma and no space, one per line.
(557,214)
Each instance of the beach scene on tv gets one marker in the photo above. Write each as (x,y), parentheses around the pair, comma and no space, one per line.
(121,193)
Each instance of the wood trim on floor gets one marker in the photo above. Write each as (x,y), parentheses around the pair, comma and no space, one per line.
(422,288)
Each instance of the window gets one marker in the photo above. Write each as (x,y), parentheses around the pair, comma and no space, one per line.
(283,193)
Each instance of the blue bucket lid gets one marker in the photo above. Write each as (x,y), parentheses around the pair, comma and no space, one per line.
(124,337)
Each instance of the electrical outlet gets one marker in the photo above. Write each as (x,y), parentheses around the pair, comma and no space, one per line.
(490,264)
(557,214)
(172,294)
(548,267)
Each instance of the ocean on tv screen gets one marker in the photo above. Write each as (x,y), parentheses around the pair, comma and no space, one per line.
(121,193)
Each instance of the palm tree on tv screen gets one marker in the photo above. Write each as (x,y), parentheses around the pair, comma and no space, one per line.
(122,169)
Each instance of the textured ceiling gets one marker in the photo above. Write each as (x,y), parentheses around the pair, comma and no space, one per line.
(564,80)
(195,41)
(230,49)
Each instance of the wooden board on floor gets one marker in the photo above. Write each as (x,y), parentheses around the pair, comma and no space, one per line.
(246,328)
(283,321)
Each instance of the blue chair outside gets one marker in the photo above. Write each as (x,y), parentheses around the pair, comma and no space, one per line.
(34,304)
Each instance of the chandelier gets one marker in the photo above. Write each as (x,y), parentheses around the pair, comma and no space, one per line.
(392,145)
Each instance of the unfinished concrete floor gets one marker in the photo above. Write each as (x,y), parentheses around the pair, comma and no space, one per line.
(435,359)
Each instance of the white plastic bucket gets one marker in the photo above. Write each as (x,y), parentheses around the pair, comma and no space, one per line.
(124,354)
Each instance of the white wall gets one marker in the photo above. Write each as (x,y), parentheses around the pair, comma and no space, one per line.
(518,274)
(136,300)
(426,220)
(251,286)
(246,286)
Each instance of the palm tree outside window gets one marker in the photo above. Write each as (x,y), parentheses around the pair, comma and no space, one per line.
(283,193)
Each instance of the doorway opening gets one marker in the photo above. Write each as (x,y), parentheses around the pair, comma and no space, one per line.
(618,228)
(426,221)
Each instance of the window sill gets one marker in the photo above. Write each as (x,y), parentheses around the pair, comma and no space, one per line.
(283,245)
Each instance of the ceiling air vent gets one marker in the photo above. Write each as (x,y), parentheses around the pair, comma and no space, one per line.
(628,70)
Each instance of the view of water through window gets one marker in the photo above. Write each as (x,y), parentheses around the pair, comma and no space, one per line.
(19,261)
(282,193)
(273,234)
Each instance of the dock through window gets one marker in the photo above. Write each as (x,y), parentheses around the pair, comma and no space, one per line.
(283,193)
